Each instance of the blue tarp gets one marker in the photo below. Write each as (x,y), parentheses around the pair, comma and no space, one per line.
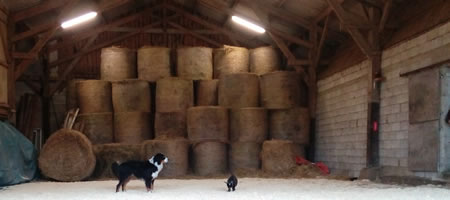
(17,156)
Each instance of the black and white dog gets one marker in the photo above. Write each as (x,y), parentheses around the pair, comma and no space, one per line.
(147,170)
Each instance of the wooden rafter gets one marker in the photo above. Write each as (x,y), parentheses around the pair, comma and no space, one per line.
(283,47)
(322,41)
(104,44)
(373,3)
(22,66)
(161,30)
(38,9)
(194,34)
(356,34)
(74,38)
(385,16)
(209,24)
(325,13)
(72,66)
(106,5)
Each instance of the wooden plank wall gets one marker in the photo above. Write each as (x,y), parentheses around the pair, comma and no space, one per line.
(3,56)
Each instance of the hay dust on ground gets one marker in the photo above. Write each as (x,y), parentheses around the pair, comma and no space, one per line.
(211,189)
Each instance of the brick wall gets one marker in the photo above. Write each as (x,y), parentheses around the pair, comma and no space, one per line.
(342,105)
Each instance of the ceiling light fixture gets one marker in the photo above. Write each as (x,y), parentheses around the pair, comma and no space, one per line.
(79,20)
(248,24)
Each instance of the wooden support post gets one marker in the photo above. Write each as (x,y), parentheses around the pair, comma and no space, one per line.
(374,92)
(45,97)
(312,92)
(11,71)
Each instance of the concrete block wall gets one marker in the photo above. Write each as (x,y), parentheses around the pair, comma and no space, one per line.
(342,105)
(431,48)
(342,120)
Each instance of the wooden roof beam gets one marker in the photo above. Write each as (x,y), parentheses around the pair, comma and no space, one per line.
(37,9)
(55,23)
(210,25)
(325,13)
(104,44)
(372,3)
(194,34)
(23,66)
(384,18)
(357,36)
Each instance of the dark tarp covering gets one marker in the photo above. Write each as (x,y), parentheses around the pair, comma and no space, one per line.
(17,156)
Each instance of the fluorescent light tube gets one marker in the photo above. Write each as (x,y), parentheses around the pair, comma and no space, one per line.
(78,20)
(248,24)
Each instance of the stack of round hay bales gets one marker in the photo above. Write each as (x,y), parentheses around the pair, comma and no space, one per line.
(248,125)
(207,92)
(67,156)
(208,131)
(239,90)
(176,150)
(170,125)
(98,127)
(195,63)
(132,106)
(117,64)
(71,94)
(280,90)
(290,124)
(131,96)
(245,156)
(278,156)
(229,60)
(248,130)
(173,97)
(107,154)
(264,60)
(153,63)
(96,110)
(132,127)
(210,158)
(94,96)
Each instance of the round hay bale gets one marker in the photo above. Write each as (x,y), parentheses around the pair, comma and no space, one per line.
(117,64)
(98,127)
(230,60)
(71,94)
(176,150)
(207,123)
(264,60)
(131,96)
(170,125)
(210,158)
(290,124)
(207,92)
(67,156)
(239,90)
(245,155)
(132,127)
(278,156)
(107,154)
(248,125)
(280,90)
(94,96)
(174,95)
(195,63)
(153,63)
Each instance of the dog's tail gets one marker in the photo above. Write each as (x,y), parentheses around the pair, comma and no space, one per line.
(115,169)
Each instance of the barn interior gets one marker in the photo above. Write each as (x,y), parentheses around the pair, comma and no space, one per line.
(338,89)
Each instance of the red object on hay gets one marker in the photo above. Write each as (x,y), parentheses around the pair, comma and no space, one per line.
(323,168)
